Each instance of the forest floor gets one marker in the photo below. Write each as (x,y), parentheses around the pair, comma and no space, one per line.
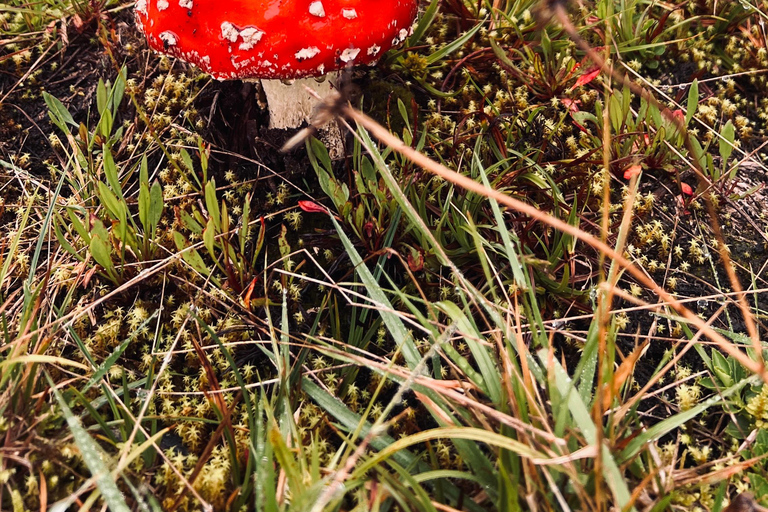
(192,319)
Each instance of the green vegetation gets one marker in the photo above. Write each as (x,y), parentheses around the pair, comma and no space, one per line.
(191,320)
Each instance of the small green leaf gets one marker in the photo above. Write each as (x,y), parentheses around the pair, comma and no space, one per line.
(144,171)
(113,204)
(190,256)
(156,206)
(62,241)
(110,171)
(282,241)
(58,112)
(721,368)
(693,102)
(100,250)
(209,236)
(78,225)
(212,204)
(144,205)
(728,134)
(245,229)
(190,223)
(119,88)
(101,96)
(105,124)
(187,160)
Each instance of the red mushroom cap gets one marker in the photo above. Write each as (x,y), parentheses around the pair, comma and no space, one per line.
(275,38)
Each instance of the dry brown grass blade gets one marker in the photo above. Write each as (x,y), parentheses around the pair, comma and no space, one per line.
(555,9)
(620,376)
(394,143)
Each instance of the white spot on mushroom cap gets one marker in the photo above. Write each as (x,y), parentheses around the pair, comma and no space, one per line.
(374,50)
(162,5)
(185,4)
(349,54)
(307,53)
(350,14)
(401,36)
(168,38)
(316,9)
(229,32)
(240,65)
(141,7)
(251,36)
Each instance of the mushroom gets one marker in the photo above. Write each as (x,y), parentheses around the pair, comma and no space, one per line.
(277,40)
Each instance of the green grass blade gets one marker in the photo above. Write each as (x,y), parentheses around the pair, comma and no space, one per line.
(583,421)
(93,459)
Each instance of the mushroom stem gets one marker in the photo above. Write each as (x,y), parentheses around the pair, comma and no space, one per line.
(291,105)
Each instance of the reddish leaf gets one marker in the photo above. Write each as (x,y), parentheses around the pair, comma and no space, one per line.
(632,170)
(415,263)
(686,188)
(312,207)
(249,292)
(571,105)
(588,76)
(369,229)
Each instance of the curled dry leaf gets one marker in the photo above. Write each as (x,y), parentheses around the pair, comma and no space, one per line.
(632,170)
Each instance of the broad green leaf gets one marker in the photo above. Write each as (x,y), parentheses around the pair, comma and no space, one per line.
(105,124)
(721,368)
(118,89)
(187,160)
(78,225)
(191,256)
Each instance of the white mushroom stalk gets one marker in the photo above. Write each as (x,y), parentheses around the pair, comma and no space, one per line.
(291,105)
